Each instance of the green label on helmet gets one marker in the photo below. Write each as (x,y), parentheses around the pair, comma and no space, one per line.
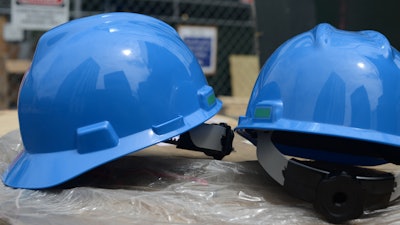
(263,113)
(211,99)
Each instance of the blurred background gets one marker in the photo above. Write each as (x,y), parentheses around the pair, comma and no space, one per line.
(240,34)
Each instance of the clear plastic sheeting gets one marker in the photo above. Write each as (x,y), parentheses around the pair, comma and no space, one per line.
(162,190)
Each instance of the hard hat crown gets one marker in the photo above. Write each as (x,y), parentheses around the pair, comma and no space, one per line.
(101,87)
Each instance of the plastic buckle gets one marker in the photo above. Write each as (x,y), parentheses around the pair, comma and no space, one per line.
(338,192)
(212,139)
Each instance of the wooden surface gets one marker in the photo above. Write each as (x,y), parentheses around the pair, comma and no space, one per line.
(233,106)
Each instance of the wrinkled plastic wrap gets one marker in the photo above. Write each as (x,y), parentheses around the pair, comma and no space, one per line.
(162,190)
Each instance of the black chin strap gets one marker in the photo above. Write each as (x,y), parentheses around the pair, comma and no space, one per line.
(338,192)
(213,139)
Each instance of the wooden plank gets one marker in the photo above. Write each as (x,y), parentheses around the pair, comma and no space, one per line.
(3,44)
(244,71)
(3,85)
(17,66)
(8,92)
(8,121)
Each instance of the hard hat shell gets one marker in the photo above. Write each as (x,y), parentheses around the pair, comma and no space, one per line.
(101,87)
(334,83)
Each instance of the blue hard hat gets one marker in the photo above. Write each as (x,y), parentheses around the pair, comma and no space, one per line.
(331,95)
(102,87)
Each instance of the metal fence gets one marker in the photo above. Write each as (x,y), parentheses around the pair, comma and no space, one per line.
(234,19)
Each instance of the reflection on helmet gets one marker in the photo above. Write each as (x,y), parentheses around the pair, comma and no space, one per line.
(101,87)
(330,95)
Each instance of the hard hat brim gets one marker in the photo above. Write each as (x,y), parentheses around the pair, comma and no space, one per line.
(46,170)
(249,124)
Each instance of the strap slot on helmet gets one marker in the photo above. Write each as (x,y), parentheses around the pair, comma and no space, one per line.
(344,149)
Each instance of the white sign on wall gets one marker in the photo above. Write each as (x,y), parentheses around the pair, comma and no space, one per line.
(202,40)
(12,33)
(39,14)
